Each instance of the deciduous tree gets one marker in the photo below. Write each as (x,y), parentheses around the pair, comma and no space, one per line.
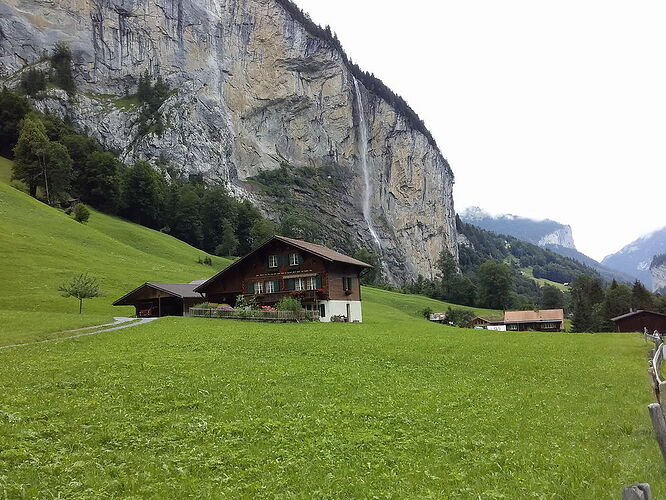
(81,287)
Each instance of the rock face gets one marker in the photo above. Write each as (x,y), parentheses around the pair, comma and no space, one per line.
(562,237)
(254,90)
(658,277)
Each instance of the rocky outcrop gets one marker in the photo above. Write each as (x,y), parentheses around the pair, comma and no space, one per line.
(254,90)
(658,278)
(562,237)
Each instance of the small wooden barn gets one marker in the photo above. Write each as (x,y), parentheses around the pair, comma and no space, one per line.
(638,321)
(162,299)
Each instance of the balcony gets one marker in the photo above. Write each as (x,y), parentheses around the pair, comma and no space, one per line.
(302,295)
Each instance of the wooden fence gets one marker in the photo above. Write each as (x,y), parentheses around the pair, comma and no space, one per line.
(256,315)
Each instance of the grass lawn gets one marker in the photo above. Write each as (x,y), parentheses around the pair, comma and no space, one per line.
(529,272)
(395,407)
(40,247)
(5,170)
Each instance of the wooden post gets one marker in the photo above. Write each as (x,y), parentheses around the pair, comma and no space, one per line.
(159,305)
(639,491)
(661,394)
(659,425)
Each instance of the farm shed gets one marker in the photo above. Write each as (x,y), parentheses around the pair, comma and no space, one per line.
(162,299)
(637,321)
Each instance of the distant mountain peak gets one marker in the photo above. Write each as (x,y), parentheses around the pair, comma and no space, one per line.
(539,232)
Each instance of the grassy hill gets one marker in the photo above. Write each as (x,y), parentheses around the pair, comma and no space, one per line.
(40,247)
(396,406)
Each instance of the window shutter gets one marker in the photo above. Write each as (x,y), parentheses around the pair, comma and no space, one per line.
(250,287)
(318,281)
(344,284)
(300,259)
(291,285)
(276,285)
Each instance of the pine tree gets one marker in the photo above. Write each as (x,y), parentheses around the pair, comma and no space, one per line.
(494,284)
(30,153)
(145,88)
(641,298)
(61,62)
(228,241)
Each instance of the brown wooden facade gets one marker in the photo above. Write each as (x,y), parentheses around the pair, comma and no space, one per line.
(286,267)
(637,321)
(162,299)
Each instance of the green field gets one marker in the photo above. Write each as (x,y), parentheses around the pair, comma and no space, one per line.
(394,407)
(40,247)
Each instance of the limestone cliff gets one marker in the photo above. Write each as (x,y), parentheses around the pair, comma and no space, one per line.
(255,89)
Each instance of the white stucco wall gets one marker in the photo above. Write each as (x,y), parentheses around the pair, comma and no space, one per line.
(339,308)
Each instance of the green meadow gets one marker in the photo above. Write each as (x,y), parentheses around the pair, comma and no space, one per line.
(194,408)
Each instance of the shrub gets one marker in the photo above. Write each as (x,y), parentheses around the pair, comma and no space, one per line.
(289,304)
(81,213)
(426,312)
(206,261)
(33,81)
(61,62)
(459,317)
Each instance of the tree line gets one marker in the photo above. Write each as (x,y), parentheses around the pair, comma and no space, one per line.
(594,304)
(55,162)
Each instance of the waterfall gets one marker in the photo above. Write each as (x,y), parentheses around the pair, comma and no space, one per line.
(363,149)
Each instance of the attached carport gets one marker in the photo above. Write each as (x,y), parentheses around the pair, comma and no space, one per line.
(162,299)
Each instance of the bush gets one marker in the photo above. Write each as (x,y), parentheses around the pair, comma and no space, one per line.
(81,213)
(61,62)
(206,261)
(459,317)
(426,312)
(33,81)
(289,304)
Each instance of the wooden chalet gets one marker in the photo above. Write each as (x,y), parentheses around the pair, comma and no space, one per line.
(638,321)
(479,322)
(322,279)
(162,299)
(544,320)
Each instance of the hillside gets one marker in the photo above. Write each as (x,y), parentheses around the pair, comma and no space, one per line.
(635,258)
(40,247)
(547,234)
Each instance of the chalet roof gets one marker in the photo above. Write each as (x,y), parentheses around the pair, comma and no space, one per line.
(634,313)
(541,315)
(322,251)
(180,290)
(313,248)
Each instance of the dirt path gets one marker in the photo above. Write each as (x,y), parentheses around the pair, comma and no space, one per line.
(118,324)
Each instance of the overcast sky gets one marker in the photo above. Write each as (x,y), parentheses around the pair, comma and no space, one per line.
(544,109)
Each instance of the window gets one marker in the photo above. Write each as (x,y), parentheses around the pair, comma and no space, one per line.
(299,284)
(346,284)
(322,310)
(272,286)
(272,261)
(258,287)
(310,283)
(512,327)
(294,259)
